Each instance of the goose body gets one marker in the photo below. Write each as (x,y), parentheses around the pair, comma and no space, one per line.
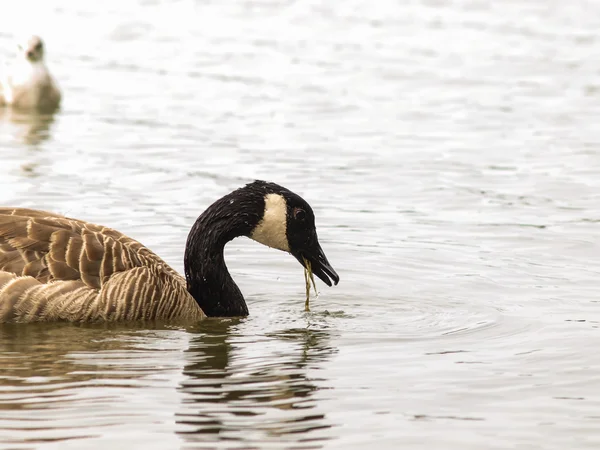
(26,83)
(54,268)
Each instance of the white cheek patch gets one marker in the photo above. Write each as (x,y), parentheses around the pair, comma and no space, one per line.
(271,230)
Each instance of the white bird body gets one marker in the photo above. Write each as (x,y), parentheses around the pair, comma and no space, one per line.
(26,82)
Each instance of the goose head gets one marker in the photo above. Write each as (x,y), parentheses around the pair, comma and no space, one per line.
(265,212)
(32,49)
(287,223)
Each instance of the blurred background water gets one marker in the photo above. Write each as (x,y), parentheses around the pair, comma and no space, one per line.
(450,152)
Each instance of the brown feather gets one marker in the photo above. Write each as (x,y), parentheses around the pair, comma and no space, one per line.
(56,268)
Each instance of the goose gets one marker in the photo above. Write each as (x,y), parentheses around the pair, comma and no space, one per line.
(26,84)
(54,268)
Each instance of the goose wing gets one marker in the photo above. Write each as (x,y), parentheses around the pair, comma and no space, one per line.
(57,268)
(51,247)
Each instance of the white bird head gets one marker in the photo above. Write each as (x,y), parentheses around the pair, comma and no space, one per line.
(32,48)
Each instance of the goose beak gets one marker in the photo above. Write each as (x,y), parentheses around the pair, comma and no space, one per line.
(318,263)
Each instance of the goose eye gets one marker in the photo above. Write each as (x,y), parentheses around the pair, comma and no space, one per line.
(299,214)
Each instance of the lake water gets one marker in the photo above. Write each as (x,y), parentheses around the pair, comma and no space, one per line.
(451,152)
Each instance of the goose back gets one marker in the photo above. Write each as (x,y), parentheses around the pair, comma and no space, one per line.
(57,268)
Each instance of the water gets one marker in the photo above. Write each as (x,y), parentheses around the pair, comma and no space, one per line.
(450,151)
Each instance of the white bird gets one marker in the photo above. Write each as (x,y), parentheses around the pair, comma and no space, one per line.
(26,83)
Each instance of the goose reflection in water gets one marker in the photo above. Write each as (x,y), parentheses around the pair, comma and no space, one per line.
(28,127)
(57,353)
(234,385)
(234,379)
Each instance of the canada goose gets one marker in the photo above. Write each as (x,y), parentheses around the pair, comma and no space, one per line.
(53,268)
(26,83)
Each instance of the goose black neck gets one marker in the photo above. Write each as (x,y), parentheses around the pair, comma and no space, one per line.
(208,279)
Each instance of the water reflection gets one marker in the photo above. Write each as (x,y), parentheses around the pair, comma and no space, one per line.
(253,388)
(30,128)
(52,371)
(44,355)
(237,384)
